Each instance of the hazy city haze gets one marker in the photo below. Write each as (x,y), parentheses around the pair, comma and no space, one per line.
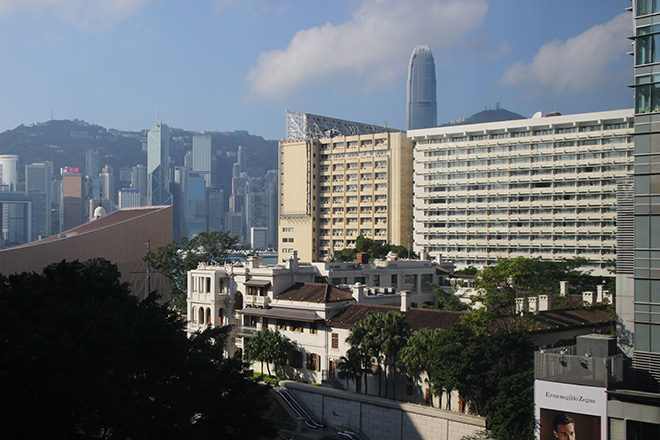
(224,65)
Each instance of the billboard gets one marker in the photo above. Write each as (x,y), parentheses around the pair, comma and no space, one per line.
(570,412)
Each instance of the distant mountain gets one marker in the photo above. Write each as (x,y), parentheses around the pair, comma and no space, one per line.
(65,142)
(488,115)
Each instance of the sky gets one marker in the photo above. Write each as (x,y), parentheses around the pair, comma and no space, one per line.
(223,65)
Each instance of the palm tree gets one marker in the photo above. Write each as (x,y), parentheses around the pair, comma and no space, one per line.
(415,355)
(366,336)
(350,367)
(394,336)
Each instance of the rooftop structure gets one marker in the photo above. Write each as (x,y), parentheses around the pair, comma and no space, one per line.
(120,237)
(308,126)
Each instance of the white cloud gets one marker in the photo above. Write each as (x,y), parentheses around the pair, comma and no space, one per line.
(581,63)
(88,15)
(370,46)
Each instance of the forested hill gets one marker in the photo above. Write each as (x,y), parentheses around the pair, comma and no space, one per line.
(65,142)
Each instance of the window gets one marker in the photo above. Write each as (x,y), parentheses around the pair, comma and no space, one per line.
(296,326)
(313,362)
(645,7)
(281,324)
(393,281)
(296,359)
(335,341)
(313,328)
(376,280)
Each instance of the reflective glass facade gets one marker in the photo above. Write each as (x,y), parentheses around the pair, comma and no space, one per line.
(422,102)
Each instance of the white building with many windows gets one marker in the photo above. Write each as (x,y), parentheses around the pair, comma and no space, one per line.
(541,187)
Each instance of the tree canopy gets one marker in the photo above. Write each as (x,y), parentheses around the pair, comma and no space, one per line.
(175,259)
(375,249)
(82,358)
(268,346)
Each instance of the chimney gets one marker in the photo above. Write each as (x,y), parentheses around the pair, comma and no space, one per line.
(588,297)
(405,300)
(544,303)
(292,264)
(599,293)
(533,304)
(423,255)
(520,306)
(563,288)
(254,262)
(358,292)
(362,257)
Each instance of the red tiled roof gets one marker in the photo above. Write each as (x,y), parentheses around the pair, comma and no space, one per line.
(315,292)
(417,318)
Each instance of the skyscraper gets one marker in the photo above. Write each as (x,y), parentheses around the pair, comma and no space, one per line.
(9,171)
(422,105)
(158,164)
(201,157)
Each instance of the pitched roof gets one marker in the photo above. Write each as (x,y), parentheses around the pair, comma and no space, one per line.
(315,292)
(417,318)
(571,318)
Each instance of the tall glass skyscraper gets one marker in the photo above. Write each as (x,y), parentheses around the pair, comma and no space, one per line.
(158,164)
(422,102)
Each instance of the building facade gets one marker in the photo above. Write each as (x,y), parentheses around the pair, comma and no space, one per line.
(422,106)
(202,161)
(9,171)
(540,187)
(332,190)
(158,165)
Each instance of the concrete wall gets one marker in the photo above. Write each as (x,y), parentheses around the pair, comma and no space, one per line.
(383,419)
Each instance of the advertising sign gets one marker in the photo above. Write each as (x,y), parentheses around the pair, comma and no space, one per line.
(570,412)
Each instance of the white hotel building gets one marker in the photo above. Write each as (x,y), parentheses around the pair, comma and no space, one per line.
(541,187)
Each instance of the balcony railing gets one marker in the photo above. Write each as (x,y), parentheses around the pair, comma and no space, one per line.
(256,301)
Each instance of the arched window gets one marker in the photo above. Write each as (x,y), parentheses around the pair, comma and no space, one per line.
(201,315)
(238,305)
(221,314)
(208,315)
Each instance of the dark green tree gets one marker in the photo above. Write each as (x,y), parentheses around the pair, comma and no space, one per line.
(416,354)
(447,300)
(80,357)
(374,248)
(268,346)
(174,260)
(351,367)
(394,334)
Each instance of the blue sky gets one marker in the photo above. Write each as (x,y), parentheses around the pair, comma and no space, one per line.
(239,64)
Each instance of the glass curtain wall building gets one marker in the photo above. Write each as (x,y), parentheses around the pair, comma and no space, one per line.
(646,355)
(158,162)
(422,103)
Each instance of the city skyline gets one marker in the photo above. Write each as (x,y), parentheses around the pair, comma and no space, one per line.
(225,65)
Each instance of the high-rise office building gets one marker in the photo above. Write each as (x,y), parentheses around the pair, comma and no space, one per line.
(261,206)
(72,202)
(202,162)
(195,209)
(9,171)
(108,184)
(139,181)
(38,178)
(129,198)
(634,409)
(92,166)
(540,187)
(216,211)
(332,190)
(422,103)
(158,165)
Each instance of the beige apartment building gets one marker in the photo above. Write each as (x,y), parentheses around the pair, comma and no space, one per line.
(332,190)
